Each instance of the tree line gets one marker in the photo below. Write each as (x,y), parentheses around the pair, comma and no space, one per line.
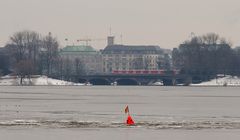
(207,56)
(30,53)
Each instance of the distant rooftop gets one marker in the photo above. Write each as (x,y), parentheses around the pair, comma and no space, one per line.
(132,48)
(79,49)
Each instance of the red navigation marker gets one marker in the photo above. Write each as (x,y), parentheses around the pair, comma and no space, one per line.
(129,121)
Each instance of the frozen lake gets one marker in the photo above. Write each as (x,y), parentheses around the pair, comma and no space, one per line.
(97,112)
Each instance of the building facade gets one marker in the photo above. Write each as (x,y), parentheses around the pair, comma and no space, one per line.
(126,57)
(87,60)
(82,59)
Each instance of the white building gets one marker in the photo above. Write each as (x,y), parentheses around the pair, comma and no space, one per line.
(126,57)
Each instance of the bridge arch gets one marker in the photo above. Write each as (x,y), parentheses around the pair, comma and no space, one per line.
(99,81)
(82,80)
(167,82)
(127,81)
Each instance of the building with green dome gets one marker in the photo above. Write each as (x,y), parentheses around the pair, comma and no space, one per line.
(82,59)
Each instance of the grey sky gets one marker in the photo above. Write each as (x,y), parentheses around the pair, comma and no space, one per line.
(159,22)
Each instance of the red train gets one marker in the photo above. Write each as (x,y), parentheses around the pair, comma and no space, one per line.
(160,72)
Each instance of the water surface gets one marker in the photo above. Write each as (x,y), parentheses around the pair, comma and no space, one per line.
(97,112)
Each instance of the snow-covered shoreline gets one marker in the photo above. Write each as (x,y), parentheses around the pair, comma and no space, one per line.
(38,80)
(221,81)
(35,81)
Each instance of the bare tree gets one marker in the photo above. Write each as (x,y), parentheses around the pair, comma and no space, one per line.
(24,68)
(4,62)
(18,40)
(210,38)
(24,48)
(30,46)
(34,44)
(50,45)
(204,55)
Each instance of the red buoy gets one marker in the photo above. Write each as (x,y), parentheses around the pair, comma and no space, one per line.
(130,121)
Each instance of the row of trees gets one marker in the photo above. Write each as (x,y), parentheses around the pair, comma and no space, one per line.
(207,55)
(32,53)
(4,63)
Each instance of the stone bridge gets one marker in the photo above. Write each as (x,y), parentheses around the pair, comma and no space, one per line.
(132,79)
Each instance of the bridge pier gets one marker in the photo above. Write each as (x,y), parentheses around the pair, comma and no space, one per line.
(170,82)
(174,82)
(187,81)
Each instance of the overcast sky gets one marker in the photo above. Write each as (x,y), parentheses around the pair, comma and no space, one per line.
(148,22)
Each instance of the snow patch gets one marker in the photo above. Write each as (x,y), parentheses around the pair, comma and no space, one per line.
(222,81)
(35,80)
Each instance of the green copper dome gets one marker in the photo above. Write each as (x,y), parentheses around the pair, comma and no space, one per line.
(80,49)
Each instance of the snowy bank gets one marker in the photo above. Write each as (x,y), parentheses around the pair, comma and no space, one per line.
(35,81)
(222,81)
